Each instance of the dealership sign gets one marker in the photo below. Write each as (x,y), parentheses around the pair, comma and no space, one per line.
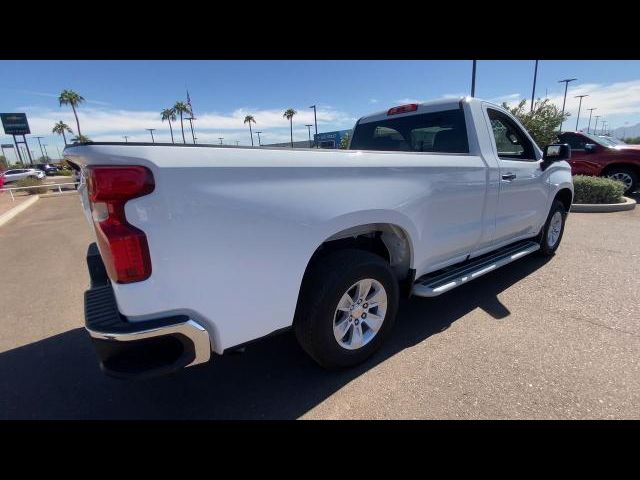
(15,123)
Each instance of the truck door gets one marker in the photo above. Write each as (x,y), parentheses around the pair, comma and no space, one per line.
(523,190)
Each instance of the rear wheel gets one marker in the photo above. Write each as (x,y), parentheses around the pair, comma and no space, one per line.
(553,229)
(626,176)
(347,308)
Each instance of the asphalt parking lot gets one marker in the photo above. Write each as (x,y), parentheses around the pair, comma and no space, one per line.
(557,339)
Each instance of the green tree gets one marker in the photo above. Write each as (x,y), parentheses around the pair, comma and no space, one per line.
(3,163)
(60,128)
(80,139)
(69,97)
(170,115)
(632,140)
(542,123)
(288,114)
(344,142)
(182,108)
(248,119)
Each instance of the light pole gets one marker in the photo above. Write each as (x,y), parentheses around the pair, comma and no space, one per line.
(126,138)
(533,92)
(59,154)
(220,138)
(237,142)
(259,144)
(315,118)
(153,140)
(41,151)
(579,107)
(309,129)
(191,119)
(46,154)
(473,79)
(603,126)
(590,112)
(566,85)
(595,129)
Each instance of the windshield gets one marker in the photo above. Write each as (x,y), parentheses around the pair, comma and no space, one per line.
(605,142)
(614,141)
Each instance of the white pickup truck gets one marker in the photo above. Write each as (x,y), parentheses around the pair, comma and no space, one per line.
(203,248)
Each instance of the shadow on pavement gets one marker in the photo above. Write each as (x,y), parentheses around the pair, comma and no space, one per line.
(59,378)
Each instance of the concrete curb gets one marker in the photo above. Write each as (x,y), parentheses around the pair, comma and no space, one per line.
(4,218)
(628,204)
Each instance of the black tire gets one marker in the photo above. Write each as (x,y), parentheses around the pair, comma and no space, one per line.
(625,171)
(323,287)
(543,238)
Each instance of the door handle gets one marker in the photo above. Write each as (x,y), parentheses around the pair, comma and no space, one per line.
(509,176)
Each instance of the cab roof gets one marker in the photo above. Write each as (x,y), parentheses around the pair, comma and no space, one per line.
(424,107)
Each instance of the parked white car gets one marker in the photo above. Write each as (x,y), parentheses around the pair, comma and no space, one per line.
(20,173)
(202,249)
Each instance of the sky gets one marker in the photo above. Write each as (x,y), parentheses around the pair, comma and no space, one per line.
(125,97)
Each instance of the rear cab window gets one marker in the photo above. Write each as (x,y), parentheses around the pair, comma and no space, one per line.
(437,132)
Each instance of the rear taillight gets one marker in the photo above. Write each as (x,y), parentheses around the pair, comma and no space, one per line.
(411,107)
(124,248)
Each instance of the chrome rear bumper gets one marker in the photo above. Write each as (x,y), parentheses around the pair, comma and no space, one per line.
(138,349)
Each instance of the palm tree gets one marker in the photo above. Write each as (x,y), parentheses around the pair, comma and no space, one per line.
(182,108)
(60,128)
(80,139)
(289,116)
(248,119)
(69,97)
(169,114)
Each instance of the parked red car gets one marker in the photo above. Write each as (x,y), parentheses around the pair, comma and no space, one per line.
(595,156)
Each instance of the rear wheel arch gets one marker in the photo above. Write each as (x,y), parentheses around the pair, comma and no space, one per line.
(387,240)
(614,166)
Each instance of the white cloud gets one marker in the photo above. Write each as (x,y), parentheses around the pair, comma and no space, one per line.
(373,100)
(102,124)
(616,102)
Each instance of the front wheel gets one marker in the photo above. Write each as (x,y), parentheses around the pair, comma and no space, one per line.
(553,229)
(347,308)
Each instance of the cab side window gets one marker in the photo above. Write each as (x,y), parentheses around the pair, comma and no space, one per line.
(511,141)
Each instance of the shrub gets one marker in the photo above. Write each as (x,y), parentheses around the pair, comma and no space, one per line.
(64,172)
(597,190)
(32,182)
(542,122)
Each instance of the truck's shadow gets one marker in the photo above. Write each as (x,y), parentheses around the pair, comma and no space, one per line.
(59,377)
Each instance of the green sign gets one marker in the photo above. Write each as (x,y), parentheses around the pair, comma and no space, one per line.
(15,123)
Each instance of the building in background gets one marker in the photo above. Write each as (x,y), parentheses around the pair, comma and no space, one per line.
(324,140)
(331,139)
(300,144)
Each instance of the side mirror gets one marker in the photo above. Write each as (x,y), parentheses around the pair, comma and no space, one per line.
(555,153)
(590,147)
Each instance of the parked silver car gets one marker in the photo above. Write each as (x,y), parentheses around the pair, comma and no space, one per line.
(20,173)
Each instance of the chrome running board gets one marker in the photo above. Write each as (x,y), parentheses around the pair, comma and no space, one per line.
(436,283)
